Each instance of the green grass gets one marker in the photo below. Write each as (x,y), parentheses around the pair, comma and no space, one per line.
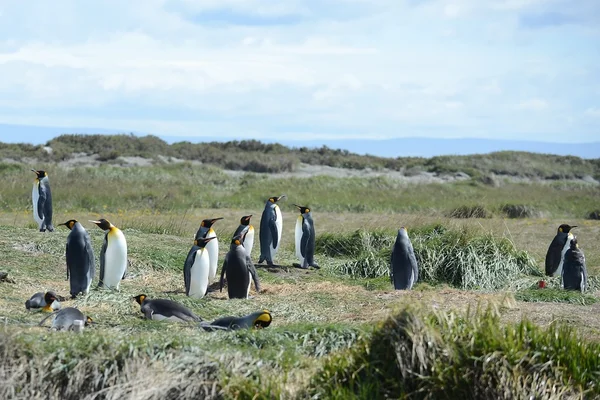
(466,259)
(555,296)
(446,355)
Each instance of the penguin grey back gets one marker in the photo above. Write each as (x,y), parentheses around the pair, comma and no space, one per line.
(257,320)
(554,254)
(65,319)
(44,201)
(404,268)
(574,274)
(164,309)
(81,266)
(307,241)
(238,268)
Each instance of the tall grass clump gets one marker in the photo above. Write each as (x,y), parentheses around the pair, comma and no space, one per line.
(462,258)
(440,354)
(520,211)
(476,211)
(467,260)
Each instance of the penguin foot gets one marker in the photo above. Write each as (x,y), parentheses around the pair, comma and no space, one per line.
(315,265)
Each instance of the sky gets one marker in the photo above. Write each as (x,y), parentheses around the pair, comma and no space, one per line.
(305,70)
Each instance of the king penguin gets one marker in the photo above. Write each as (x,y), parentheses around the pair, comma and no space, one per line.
(246,231)
(404,268)
(558,247)
(305,238)
(197,268)
(206,231)
(67,319)
(164,309)
(256,320)
(42,201)
(271,225)
(46,301)
(113,255)
(81,266)
(574,275)
(240,271)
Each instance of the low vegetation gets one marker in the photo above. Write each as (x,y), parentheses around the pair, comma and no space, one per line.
(447,355)
(339,331)
(252,155)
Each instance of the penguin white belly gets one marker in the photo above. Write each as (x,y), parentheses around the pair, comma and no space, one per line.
(249,241)
(199,274)
(159,317)
(213,253)
(299,239)
(566,247)
(279,225)
(115,259)
(35,196)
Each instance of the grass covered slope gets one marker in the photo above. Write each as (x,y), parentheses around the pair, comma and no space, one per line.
(252,155)
(320,317)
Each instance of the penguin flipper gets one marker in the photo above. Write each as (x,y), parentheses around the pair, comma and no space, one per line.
(187,268)
(252,270)
(413,262)
(273,229)
(103,260)
(222,274)
(40,205)
(68,266)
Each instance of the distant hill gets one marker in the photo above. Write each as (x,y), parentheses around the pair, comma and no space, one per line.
(400,147)
(256,156)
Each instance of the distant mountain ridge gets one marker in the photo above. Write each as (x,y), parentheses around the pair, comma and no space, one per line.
(397,147)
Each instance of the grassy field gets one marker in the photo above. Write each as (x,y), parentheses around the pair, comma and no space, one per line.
(338,332)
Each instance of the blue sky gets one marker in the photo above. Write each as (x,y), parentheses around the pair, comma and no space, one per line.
(305,70)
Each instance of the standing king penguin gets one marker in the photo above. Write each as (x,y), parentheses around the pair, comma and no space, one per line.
(574,274)
(271,225)
(42,201)
(196,269)
(404,268)
(246,231)
(305,238)
(558,247)
(240,271)
(206,231)
(113,255)
(81,266)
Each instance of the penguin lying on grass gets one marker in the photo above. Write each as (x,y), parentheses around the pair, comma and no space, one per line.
(48,301)
(68,319)
(256,320)
(164,309)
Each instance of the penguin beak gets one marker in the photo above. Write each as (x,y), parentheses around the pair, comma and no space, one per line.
(34,171)
(95,222)
(215,219)
(281,197)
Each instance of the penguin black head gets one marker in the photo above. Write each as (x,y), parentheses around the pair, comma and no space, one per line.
(70,223)
(237,240)
(140,298)
(565,228)
(275,199)
(88,321)
(245,220)
(303,210)
(49,298)
(262,320)
(574,245)
(207,223)
(201,242)
(40,174)
(102,224)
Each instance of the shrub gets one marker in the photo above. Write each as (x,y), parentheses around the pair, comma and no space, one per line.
(476,211)
(520,211)
(439,354)
(593,215)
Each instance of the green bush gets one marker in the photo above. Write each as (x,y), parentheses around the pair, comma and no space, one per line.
(520,211)
(476,211)
(449,355)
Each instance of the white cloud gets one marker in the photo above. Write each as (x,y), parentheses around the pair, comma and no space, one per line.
(385,68)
